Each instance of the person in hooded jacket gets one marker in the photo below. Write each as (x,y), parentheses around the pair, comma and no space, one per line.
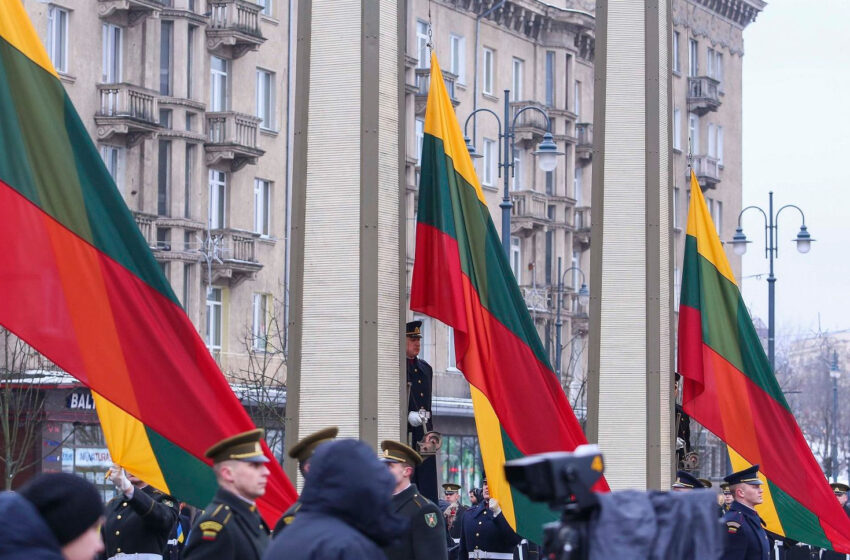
(345,510)
(55,516)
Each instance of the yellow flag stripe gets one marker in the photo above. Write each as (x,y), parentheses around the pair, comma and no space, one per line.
(700,227)
(16,29)
(493,453)
(440,122)
(128,443)
(767,509)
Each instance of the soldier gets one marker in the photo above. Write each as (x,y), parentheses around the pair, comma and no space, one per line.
(485,529)
(303,452)
(840,491)
(426,536)
(454,510)
(685,481)
(230,528)
(139,520)
(419,422)
(746,538)
(727,496)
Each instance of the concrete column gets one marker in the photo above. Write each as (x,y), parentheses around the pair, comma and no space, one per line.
(348,284)
(630,362)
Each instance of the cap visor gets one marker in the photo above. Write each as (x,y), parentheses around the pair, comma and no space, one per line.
(255,459)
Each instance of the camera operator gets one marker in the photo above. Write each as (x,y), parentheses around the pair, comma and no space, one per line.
(484,529)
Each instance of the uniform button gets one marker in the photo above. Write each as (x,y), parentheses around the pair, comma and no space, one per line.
(420,381)
(124,504)
(119,517)
(421,394)
(476,534)
(117,533)
(118,550)
(479,523)
(260,525)
(227,507)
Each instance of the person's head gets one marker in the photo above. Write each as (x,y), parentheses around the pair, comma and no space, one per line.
(72,509)
(401,460)
(304,449)
(840,490)
(452,492)
(414,338)
(726,497)
(485,490)
(685,482)
(240,464)
(746,486)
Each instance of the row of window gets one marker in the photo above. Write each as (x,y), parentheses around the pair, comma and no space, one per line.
(714,59)
(261,319)
(112,67)
(714,135)
(457,66)
(715,209)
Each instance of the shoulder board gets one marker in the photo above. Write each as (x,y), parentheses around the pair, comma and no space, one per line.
(732,526)
(210,529)
(221,514)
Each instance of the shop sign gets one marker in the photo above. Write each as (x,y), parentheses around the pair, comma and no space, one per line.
(92,457)
(80,400)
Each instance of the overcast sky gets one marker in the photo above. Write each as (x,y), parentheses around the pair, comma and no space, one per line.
(797,143)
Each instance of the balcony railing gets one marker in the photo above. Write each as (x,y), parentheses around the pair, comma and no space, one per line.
(146,224)
(531,119)
(537,298)
(707,170)
(126,100)
(582,219)
(128,12)
(232,136)
(529,204)
(703,94)
(584,145)
(423,85)
(234,27)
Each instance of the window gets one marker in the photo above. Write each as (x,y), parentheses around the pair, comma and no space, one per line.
(693,132)
(188,179)
(693,58)
(113,157)
(260,322)
(187,286)
(715,208)
(111,54)
(712,141)
(190,60)
(550,78)
(487,70)
(267,7)
(57,37)
(709,62)
(262,193)
(190,121)
(420,139)
(720,146)
(550,243)
(218,192)
(457,48)
(577,183)
(677,64)
(550,182)
(163,179)
(718,68)
(516,257)
(427,345)
(165,118)
(214,318)
(451,359)
(676,223)
(489,162)
(422,44)
(166,42)
(516,81)
(677,129)
(516,177)
(218,84)
(265,99)
(677,287)
(577,98)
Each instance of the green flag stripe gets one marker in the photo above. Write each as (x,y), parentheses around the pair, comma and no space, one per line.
(52,162)
(491,275)
(797,520)
(530,516)
(726,326)
(189,479)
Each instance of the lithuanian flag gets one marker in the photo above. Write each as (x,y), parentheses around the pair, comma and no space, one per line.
(81,286)
(461,276)
(730,389)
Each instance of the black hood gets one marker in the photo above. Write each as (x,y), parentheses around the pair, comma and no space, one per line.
(347,481)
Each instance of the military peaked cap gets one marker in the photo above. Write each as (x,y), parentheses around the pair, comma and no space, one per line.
(241,447)
(746,476)
(685,479)
(705,482)
(451,488)
(397,452)
(303,450)
(839,488)
(414,329)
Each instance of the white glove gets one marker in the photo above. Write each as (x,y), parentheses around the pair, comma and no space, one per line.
(494,506)
(414,419)
(119,478)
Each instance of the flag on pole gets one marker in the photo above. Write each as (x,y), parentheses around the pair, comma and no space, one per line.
(729,388)
(81,286)
(462,277)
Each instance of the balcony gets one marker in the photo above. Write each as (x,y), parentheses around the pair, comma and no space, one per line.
(127,12)
(127,111)
(531,122)
(232,139)
(423,85)
(703,95)
(582,227)
(538,299)
(584,145)
(529,212)
(147,226)
(234,27)
(707,170)
(234,255)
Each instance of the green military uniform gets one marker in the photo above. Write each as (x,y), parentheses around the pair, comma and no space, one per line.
(139,525)
(302,452)
(230,527)
(425,539)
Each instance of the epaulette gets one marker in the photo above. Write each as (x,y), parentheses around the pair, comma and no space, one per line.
(166,499)
(734,520)
(217,520)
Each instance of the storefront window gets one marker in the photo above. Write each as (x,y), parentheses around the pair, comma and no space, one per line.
(462,464)
(78,448)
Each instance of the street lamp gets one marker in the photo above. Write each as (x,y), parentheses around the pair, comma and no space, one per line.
(833,456)
(583,298)
(771,249)
(546,153)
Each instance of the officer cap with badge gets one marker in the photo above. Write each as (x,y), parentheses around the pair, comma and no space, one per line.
(747,476)
(241,447)
(450,488)
(303,450)
(414,329)
(724,487)
(839,488)
(685,480)
(397,452)
(705,482)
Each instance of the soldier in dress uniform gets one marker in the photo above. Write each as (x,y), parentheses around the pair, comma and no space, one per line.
(840,490)
(230,527)
(303,452)
(139,519)
(419,422)
(425,538)
(685,481)
(746,538)
(454,510)
(484,529)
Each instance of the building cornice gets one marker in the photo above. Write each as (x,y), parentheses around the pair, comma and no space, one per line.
(721,22)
